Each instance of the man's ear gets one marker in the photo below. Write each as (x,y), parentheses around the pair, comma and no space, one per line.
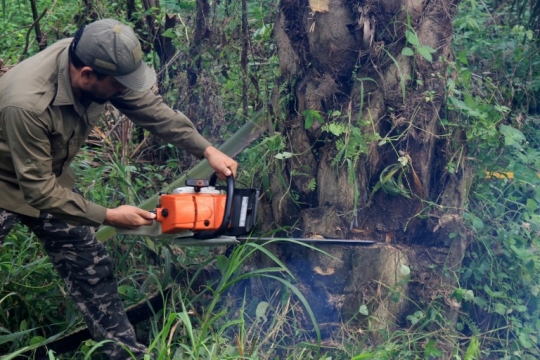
(86,73)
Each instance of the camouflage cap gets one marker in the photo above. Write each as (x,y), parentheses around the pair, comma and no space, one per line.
(112,48)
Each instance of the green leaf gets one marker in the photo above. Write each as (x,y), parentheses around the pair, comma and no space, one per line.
(364,356)
(525,174)
(405,270)
(426,51)
(283,155)
(500,308)
(491,293)
(222,264)
(512,136)
(480,301)
(431,350)
(260,313)
(336,129)
(520,252)
(363,310)
(415,318)
(407,51)
(458,294)
(311,115)
(531,206)
(169,33)
(473,350)
(308,122)
(412,38)
(468,295)
(462,57)
(477,223)
(524,340)
(37,340)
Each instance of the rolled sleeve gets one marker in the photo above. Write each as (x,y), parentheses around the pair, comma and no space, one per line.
(149,111)
(27,136)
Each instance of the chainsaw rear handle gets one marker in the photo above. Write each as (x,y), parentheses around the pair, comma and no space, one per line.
(210,234)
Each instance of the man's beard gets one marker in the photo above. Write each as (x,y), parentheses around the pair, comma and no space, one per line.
(88,97)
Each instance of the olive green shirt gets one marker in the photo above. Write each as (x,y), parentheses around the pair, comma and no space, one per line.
(42,127)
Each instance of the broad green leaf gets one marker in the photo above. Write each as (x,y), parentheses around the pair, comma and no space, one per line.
(412,38)
(512,136)
(532,205)
(480,301)
(222,264)
(260,313)
(283,155)
(405,270)
(525,341)
(525,174)
(310,116)
(520,252)
(308,122)
(425,51)
(363,310)
(468,295)
(407,51)
(37,340)
(500,308)
(477,223)
(169,33)
(432,351)
(491,293)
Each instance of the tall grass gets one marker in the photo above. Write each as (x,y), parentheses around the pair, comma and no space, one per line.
(220,320)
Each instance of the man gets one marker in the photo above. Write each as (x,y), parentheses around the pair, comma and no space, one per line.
(49,103)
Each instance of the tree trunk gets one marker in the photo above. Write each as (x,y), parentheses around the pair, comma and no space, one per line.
(366,121)
(37,28)
(163,46)
(202,32)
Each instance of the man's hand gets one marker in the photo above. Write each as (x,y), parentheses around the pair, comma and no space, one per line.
(222,164)
(128,217)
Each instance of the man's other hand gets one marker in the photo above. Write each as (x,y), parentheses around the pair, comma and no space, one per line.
(128,217)
(222,164)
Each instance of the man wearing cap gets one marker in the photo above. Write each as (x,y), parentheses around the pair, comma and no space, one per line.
(49,103)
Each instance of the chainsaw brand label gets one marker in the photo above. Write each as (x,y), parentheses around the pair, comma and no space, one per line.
(243,211)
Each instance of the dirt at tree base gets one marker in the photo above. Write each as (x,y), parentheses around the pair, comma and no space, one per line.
(366,287)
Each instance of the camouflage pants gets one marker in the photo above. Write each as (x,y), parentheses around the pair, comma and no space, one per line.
(83,263)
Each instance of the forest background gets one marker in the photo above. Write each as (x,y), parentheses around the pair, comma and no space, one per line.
(224,73)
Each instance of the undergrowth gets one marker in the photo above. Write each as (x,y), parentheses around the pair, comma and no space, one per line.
(497,88)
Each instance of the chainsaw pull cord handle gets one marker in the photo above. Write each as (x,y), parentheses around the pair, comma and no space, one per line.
(210,234)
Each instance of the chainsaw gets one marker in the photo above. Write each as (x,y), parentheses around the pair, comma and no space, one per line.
(205,214)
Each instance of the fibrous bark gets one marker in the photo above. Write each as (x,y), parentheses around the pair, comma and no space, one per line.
(346,60)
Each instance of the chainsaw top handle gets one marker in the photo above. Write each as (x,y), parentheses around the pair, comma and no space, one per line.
(210,234)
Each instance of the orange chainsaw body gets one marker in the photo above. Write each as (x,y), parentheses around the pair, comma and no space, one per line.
(190,211)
